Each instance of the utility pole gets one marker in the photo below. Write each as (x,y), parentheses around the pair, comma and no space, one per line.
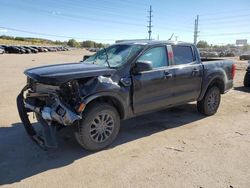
(196,28)
(195,31)
(150,23)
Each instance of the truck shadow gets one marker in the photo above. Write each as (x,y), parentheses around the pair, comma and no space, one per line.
(242,89)
(20,158)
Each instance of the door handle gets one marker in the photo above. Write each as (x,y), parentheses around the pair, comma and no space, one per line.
(195,70)
(167,75)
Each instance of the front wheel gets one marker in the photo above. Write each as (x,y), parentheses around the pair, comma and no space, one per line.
(99,127)
(210,102)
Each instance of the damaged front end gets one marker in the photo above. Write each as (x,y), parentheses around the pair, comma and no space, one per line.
(54,106)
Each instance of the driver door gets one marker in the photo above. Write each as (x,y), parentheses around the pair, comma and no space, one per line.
(152,89)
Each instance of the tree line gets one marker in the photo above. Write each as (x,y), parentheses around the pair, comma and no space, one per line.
(84,44)
(71,42)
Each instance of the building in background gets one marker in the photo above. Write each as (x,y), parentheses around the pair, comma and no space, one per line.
(241,42)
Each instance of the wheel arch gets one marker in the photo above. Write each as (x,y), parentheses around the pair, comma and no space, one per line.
(216,81)
(109,98)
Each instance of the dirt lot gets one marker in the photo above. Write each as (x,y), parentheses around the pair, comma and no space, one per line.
(177,147)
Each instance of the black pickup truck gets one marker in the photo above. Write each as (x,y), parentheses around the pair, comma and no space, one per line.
(119,82)
(247,76)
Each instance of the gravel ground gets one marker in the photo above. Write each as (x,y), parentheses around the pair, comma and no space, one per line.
(177,147)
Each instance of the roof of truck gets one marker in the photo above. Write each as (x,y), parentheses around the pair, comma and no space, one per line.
(150,42)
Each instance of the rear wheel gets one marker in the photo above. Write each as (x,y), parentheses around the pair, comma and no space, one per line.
(210,102)
(99,127)
(247,79)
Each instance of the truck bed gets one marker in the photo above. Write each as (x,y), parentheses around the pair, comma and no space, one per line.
(211,59)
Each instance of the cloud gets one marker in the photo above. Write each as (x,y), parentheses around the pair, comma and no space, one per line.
(2,30)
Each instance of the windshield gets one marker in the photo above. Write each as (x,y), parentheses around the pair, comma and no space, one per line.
(115,55)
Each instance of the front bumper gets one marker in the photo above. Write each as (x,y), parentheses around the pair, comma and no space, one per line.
(52,113)
(23,113)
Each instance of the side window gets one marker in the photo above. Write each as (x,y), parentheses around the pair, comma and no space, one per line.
(182,54)
(157,56)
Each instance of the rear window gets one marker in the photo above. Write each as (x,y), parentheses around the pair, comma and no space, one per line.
(182,54)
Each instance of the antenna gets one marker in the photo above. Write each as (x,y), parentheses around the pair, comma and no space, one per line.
(171,36)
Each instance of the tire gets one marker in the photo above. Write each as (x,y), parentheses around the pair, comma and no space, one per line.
(99,127)
(247,80)
(210,102)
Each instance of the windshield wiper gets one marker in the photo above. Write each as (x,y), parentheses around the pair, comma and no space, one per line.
(107,57)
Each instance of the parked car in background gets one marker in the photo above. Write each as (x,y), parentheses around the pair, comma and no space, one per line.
(27,51)
(33,50)
(3,47)
(40,49)
(35,47)
(51,49)
(65,48)
(212,54)
(203,54)
(2,51)
(94,49)
(12,50)
(229,54)
(245,56)
(222,54)
(44,49)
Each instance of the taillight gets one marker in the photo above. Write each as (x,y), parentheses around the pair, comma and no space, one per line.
(233,70)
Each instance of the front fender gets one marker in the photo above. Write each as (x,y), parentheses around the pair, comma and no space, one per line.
(123,102)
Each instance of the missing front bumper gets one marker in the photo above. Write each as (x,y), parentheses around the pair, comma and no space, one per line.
(49,140)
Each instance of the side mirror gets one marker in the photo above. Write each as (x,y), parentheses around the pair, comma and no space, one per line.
(85,57)
(141,66)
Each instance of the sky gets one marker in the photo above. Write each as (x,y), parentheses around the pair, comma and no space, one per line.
(220,22)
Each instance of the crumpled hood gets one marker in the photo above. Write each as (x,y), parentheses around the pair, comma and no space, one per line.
(62,73)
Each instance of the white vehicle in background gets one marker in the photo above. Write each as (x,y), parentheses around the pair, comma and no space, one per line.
(2,51)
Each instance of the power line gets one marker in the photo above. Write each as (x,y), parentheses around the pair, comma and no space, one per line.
(223,12)
(130,3)
(90,19)
(223,26)
(53,35)
(225,34)
(228,18)
(108,8)
(104,10)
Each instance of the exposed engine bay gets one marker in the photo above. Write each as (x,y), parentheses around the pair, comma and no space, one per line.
(55,104)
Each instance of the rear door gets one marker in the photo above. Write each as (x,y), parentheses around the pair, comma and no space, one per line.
(152,89)
(188,74)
